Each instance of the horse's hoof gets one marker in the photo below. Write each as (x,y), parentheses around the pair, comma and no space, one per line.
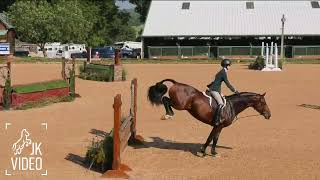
(201,154)
(215,155)
(166,117)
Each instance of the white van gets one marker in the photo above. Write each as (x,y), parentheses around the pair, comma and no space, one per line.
(58,50)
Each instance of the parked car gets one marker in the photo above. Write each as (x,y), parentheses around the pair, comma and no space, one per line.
(21,53)
(129,49)
(79,55)
(103,52)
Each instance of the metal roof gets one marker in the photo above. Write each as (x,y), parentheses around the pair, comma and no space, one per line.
(4,19)
(231,18)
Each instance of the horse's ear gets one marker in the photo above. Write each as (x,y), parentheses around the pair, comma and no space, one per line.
(263,94)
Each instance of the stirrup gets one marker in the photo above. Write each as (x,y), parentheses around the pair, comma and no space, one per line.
(166,117)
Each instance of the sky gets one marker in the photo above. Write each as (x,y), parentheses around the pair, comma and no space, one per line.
(124,4)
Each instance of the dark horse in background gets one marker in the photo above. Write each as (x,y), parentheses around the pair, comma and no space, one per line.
(185,97)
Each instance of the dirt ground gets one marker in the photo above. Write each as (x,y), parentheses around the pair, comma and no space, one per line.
(284,147)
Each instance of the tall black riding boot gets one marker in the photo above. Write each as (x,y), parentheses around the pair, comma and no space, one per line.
(216,117)
(167,106)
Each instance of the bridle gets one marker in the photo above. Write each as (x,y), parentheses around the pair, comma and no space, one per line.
(236,116)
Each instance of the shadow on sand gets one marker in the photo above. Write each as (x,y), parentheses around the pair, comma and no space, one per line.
(157,142)
(160,143)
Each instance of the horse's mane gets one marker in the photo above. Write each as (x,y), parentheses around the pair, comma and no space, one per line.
(242,94)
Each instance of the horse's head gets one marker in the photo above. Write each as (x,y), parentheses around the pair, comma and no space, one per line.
(261,106)
(24,132)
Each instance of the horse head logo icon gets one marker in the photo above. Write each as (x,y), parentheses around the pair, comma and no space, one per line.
(24,141)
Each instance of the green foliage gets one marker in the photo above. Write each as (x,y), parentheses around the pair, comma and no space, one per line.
(71,22)
(280,63)
(109,24)
(40,22)
(4,4)
(7,94)
(34,21)
(142,7)
(36,87)
(134,19)
(258,64)
(94,22)
(96,72)
(99,155)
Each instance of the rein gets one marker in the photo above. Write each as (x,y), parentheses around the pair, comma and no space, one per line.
(236,116)
(246,116)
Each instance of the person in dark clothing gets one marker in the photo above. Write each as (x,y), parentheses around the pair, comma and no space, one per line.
(215,88)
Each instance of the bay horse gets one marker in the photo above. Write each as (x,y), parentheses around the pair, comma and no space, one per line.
(186,97)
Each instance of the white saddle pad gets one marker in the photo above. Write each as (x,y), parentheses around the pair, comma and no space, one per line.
(210,99)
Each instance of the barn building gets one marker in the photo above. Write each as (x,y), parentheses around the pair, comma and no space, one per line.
(7,32)
(211,29)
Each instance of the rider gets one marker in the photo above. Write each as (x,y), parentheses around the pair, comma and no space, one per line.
(215,88)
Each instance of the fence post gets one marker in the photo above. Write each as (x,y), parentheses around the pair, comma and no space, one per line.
(72,80)
(133,111)
(116,136)
(63,73)
(7,86)
(84,66)
(149,54)
(276,56)
(9,64)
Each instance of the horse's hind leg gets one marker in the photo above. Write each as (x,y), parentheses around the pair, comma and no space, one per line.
(167,105)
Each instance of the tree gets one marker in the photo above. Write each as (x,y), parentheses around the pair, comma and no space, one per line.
(73,25)
(94,22)
(41,22)
(112,25)
(142,7)
(4,4)
(34,22)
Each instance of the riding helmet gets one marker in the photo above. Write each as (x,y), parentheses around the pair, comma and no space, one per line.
(225,63)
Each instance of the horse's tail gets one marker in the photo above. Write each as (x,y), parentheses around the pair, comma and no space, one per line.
(156,92)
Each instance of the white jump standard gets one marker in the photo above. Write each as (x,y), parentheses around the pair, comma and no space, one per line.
(271,57)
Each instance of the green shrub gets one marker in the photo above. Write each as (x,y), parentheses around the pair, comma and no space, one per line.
(81,68)
(99,155)
(281,62)
(258,64)
(96,72)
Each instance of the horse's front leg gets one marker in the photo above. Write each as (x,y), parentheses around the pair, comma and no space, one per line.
(214,142)
(209,139)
